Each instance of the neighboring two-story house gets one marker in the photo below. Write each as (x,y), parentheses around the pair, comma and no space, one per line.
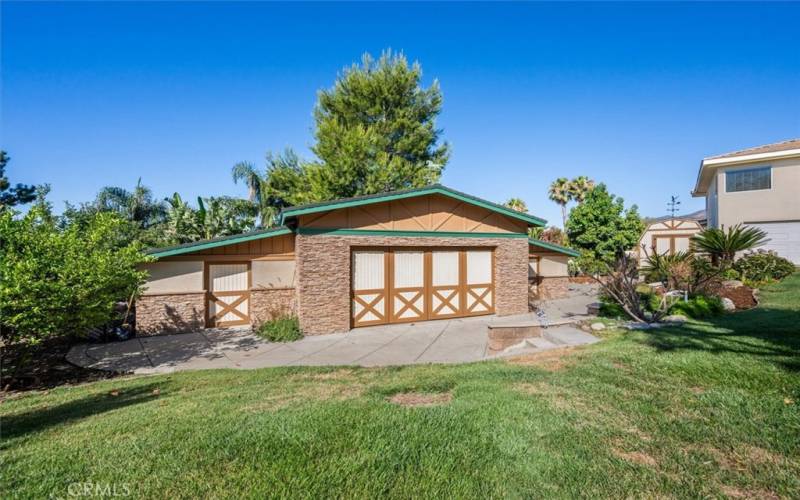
(757,187)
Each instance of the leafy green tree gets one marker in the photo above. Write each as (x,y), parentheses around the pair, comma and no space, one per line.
(17,195)
(723,245)
(376,130)
(214,217)
(62,280)
(560,192)
(517,204)
(601,226)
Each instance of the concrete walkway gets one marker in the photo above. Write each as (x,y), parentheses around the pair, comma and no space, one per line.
(445,341)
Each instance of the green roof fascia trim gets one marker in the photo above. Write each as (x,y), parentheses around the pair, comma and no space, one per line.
(217,242)
(412,193)
(554,247)
(378,232)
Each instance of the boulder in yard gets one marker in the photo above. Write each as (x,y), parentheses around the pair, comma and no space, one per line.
(742,296)
(597,327)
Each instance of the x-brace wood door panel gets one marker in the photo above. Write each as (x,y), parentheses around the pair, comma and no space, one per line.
(228,294)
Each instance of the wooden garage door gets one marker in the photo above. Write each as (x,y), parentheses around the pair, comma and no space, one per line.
(228,300)
(417,284)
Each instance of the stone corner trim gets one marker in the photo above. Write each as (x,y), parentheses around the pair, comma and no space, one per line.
(170,313)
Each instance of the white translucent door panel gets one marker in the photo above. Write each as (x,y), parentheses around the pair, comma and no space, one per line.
(409,269)
(479,267)
(445,268)
(368,270)
(227,277)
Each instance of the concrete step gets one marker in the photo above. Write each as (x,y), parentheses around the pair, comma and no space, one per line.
(567,335)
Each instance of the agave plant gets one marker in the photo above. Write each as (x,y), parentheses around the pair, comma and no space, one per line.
(722,245)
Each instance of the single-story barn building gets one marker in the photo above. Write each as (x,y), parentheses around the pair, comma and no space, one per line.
(667,236)
(404,256)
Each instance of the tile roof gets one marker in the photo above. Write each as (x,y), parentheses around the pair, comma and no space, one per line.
(767,148)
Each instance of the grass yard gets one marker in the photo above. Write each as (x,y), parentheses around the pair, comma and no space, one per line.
(708,409)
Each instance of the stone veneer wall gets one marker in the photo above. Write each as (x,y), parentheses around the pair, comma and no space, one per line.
(323,274)
(170,313)
(266,303)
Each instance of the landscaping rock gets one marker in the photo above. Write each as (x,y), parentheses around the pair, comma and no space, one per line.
(593,308)
(728,304)
(675,319)
(597,327)
(742,296)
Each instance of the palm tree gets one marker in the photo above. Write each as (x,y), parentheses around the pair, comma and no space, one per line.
(136,206)
(580,187)
(560,192)
(723,245)
(517,204)
(257,190)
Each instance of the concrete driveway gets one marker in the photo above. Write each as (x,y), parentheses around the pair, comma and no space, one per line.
(446,341)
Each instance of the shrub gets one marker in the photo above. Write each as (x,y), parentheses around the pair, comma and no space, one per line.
(698,307)
(611,310)
(281,329)
(762,266)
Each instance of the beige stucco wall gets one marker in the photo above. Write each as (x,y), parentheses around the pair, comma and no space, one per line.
(273,273)
(780,203)
(552,266)
(174,277)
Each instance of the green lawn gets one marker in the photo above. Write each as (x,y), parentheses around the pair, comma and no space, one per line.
(709,409)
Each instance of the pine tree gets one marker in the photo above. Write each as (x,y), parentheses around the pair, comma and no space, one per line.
(376,130)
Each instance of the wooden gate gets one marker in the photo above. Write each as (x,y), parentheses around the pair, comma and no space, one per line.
(228,296)
(416,284)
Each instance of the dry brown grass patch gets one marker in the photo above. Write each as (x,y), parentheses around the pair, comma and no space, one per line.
(413,399)
(734,492)
(306,393)
(636,457)
(552,360)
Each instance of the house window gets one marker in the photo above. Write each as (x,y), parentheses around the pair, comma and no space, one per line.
(750,179)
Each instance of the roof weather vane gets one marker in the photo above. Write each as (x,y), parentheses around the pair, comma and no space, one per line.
(673,205)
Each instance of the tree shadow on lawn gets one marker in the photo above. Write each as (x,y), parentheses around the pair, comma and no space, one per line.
(41,418)
(764,332)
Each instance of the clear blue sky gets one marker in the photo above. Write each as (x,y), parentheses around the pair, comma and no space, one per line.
(633,95)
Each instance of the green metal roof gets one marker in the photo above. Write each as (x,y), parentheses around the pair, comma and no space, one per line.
(407,193)
(217,242)
(554,247)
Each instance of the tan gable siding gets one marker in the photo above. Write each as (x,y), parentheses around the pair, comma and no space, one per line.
(426,213)
(276,247)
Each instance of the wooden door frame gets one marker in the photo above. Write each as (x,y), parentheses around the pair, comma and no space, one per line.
(208,293)
(428,289)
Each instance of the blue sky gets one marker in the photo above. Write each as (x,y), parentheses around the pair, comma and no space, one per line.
(633,95)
